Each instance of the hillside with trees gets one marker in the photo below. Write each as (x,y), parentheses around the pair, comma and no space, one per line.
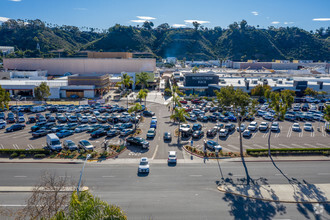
(238,42)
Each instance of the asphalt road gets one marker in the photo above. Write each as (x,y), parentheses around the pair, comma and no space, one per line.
(185,191)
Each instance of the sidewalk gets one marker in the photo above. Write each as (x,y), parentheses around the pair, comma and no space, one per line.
(285,193)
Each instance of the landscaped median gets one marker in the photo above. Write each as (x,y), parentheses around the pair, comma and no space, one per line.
(113,151)
(289,152)
(210,155)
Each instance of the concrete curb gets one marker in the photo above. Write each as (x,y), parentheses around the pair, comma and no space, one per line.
(26,189)
(271,200)
(53,162)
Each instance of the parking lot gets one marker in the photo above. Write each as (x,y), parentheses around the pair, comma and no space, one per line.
(285,138)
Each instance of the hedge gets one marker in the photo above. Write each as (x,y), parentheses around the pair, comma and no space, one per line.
(22,151)
(264,152)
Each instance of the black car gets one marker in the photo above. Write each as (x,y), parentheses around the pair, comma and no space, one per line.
(51,119)
(167,136)
(212,118)
(15,127)
(113,132)
(230,127)
(148,113)
(212,132)
(198,134)
(98,133)
(32,119)
(40,133)
(137,141)
(11,120)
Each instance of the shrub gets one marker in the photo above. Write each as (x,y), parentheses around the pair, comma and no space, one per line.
(52,156)
(14,155)
(21,156)
(94,154)
(39,156)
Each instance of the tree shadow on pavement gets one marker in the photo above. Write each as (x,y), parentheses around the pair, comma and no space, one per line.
(242,207)
(303,193)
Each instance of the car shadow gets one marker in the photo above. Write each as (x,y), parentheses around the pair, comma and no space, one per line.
(142,174)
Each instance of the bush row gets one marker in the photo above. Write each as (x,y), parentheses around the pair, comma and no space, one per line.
(289,151)
(22,151)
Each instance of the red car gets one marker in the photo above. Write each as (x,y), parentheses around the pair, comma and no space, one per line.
(183,101)
(196,101)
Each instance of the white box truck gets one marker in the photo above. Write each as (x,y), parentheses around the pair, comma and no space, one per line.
(53,142)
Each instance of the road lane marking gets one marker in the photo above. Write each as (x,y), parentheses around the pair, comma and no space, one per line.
(321,174)
(280,174)
(153,156)
(107,176)
(195,175)
(20,176)
(238,175)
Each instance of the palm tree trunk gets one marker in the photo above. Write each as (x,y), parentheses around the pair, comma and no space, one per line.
(240,138)
(179,134)
(270,133)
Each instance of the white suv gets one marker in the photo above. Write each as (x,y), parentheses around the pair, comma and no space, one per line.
(171,157)
(253,126)
(2,124)
(144,165)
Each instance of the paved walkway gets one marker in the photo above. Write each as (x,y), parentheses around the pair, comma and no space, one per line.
(288,193)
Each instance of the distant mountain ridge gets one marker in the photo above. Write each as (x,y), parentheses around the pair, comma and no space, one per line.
(237,42)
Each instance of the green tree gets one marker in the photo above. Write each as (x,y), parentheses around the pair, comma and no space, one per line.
(196,25)
(175,100)
(195,69)
(148,25)
(179,116)
(143,93)
(42,91)
(259,90)
(4,98)
(86,206)
(310,92)
(142,79)
(126,81)
(136,108)
(327,113)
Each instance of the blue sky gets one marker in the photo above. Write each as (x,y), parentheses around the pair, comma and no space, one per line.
(103,14)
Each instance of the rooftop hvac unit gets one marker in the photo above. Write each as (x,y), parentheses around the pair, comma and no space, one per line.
(254,81)
(280,82)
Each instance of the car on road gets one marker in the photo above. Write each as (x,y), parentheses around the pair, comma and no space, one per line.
(167,136)
(198,134)
(296,127)
(213,145)
(98,133)
(247,133)
(70,145)
(148,113)
(40,133)
(15,127)
(154,118)
(151,133)
(86,145)
(308,126)
(144,165)
(263,126)
(212,132)
(172,159)
(138,141)
(275,127)
(253,126)
(64,133)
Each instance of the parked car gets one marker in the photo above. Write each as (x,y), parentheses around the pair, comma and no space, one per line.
(296,127)
(213,145)
(223,132)
(84,144)
(70,145)
(247,133)
(172,159)
(167,136)
(137,141)
(32,119)
(144,165)
(3,124)
(242,128)
(40,133)
(113,132)
(212,132)
(126,132)
(64,133)
(184,127)
(148,113)
(230,127)
(153,124)
(253,126)
(198,134)
(308,126)
(81,128)
(15,127)
(275,127)
(197,127)
(263,126)
(151,133)
(98,133)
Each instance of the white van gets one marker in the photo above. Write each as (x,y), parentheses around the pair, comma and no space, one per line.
(53,142)
(38,108)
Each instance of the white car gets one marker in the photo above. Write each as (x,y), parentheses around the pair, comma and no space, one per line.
(308,127)
(184,127)
(81,128)
(247,133)
(275,126)
(154,118)
(253,126)
(296,127)
(242,128)
(172,157)
(2,124)
(21,119)
(263,126)
(213,145)
(144,165)
(84,144)
(223,132)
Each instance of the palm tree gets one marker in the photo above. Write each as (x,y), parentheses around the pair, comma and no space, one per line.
(175,101)
(142,78)
(143,93)
(126,81)
(179,116)
(136,108)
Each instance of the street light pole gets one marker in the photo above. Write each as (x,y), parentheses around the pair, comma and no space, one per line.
(81,173)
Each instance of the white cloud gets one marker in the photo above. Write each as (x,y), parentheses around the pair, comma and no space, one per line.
(145,18)
(138,21)
(288,22)
(201,22)
(255,13)
(4,19)
(80,9)
(179,25)
(15,0)
(321,19)
(275,22)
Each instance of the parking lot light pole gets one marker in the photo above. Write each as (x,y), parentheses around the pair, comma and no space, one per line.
(81,172)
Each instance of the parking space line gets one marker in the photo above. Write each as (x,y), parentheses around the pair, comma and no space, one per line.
(153,156)
(278,133)
(265,135)
(258,146)
(296,145)
(309,145)
(289,132)
(255,133)
(15,146)
(233,147)
(323,145)
(301,134)
(283,145)
(1,146)
(312,133)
